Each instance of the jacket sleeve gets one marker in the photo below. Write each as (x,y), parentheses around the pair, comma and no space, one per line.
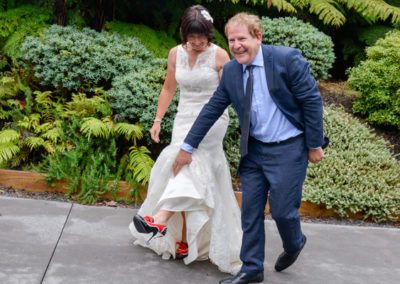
(305,89)
(209,114)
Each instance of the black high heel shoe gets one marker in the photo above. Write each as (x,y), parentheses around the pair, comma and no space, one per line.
(146,225)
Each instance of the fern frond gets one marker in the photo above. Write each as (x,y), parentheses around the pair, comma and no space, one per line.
(43,127)
(92,126)
(8,87)
(14,104)
(327,12)
(8,151)
(83,106)
(109,122)
(9,136)
(130,131)
(4,114)
(50,148)
(140,163)
(31,122)
(34,142)
(43,98)
(283,5)
(374,9)
(53,134)
(300,3)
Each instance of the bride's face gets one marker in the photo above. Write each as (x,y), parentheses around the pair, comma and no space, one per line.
(197,42)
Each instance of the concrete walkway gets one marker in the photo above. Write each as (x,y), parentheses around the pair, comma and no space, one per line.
(55,242)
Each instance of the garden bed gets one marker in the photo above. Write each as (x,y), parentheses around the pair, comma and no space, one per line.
(340,95)
(36,182)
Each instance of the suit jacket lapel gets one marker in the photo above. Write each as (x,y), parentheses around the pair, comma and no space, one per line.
(238,76)
(269,67)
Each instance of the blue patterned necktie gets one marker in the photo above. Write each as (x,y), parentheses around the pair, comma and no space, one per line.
(244,138)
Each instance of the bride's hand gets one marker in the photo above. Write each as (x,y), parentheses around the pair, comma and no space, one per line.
(155,132)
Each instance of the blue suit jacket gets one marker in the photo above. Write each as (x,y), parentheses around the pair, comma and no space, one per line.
(291,87)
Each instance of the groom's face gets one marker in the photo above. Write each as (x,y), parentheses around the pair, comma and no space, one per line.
(243,46)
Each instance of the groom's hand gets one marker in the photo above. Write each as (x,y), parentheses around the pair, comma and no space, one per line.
(183,158)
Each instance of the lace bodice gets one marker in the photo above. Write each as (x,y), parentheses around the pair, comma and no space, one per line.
(194,92)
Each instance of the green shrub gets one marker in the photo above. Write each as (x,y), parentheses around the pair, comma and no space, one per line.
(135,97)
(79,140)
(17,24)
(220,40)
(232,141)
(378,81)
(354,47)
(93,158)
(358,174)
(315,46)
(157,42)
(65,57)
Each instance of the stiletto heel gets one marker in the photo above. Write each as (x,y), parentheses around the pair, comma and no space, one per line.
(146,225)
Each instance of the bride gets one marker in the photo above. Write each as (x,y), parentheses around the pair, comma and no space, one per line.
(193,215)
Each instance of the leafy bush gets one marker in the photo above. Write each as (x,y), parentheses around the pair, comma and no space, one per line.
(65,57)
(16,24)
(315,46)
(220,40)
(135,97)
(378,80)
(232,141)
(358,174)
(359,38)
(75,140)
(157,42)
(93,160)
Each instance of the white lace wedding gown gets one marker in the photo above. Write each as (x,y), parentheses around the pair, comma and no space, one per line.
(203,189)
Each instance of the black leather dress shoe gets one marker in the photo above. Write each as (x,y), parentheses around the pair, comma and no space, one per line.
(285,260)
(244,278)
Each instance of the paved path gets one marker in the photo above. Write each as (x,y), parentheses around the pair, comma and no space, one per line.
(56,242)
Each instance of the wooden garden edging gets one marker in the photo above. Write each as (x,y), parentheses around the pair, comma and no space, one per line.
(36,182)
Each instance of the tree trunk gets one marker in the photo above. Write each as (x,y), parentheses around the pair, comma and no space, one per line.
(104,12)
(60,12)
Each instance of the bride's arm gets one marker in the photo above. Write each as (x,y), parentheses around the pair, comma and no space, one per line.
(166,95)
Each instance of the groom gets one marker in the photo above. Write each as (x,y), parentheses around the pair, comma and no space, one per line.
(280,114)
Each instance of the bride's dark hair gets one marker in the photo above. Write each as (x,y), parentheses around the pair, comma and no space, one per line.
(196,20)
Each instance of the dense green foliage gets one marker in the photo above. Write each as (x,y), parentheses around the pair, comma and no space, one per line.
(315,46)
(16,24)
(232,141)
(158,42)
(74,138)
(358,174)
(354,47)
(335,12)
(378,81)
(136,95)
(95,158)
(65,57)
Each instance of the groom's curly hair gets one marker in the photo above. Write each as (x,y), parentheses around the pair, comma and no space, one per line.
(252,22)
(194,22)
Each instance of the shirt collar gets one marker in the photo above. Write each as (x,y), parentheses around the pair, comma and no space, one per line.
(258,60)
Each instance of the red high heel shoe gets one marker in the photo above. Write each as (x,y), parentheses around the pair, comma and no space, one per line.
(146,225)
(182,250)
